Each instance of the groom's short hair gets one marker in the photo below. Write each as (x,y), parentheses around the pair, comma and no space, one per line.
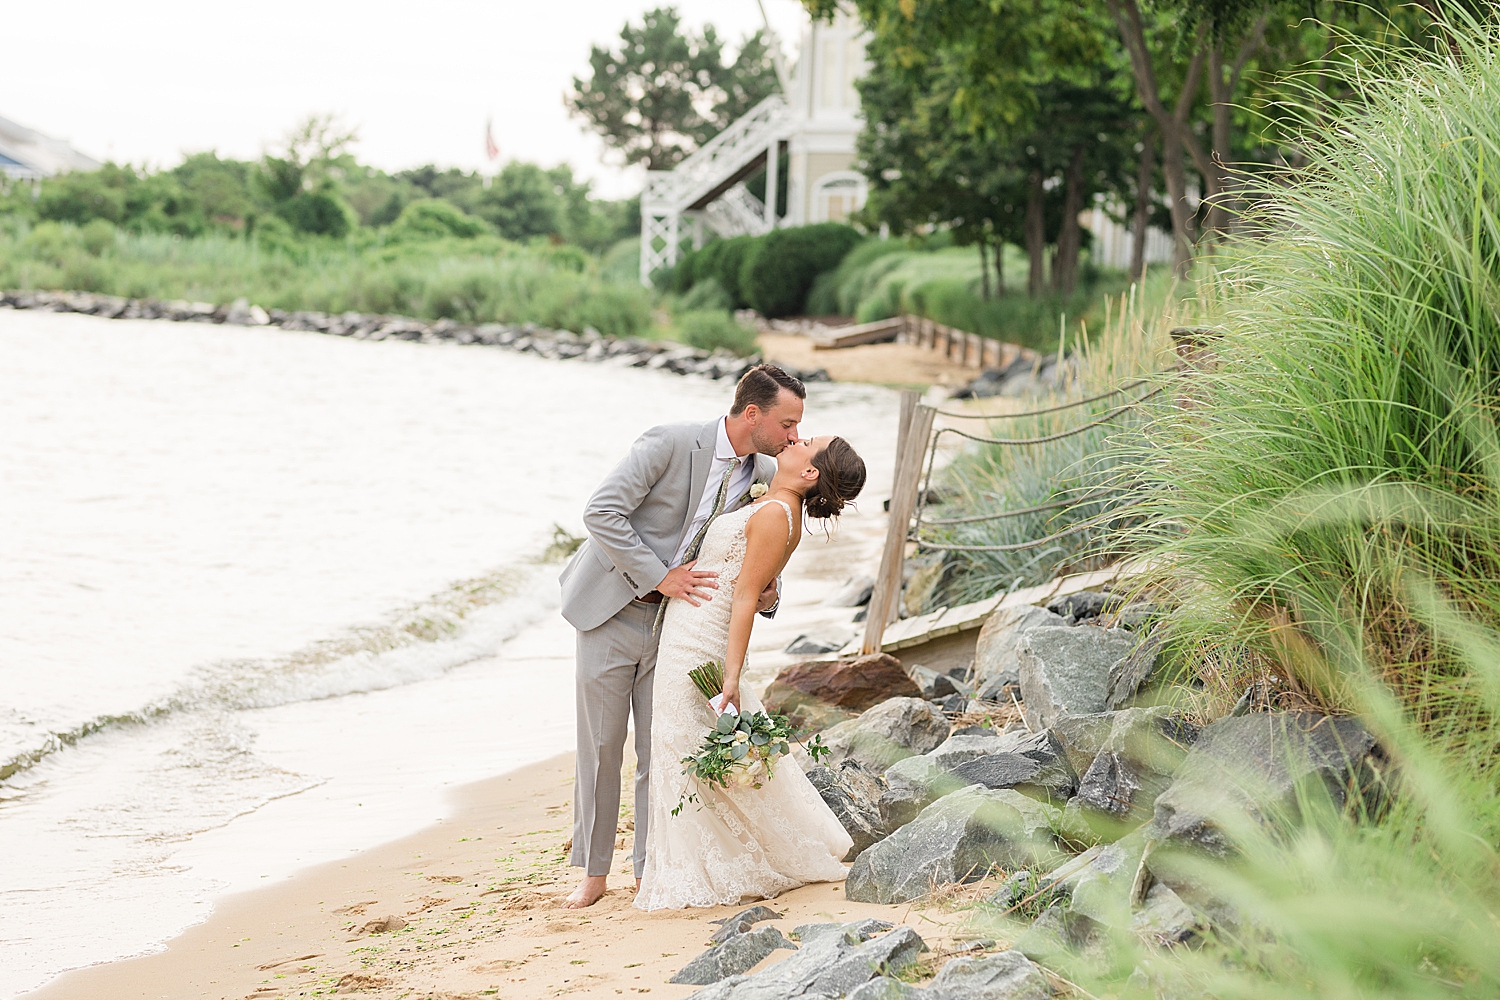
(761,385)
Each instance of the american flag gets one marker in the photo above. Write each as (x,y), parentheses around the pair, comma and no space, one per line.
(490,148)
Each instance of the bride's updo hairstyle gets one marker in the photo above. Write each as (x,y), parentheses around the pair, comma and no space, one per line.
(841,475)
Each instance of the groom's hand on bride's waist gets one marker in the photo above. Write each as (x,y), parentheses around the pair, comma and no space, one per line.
(688,584)
(768,598)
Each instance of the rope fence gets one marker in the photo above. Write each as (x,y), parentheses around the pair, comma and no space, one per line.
(915,532)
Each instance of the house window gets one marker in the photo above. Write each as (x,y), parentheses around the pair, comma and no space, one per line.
(838,196)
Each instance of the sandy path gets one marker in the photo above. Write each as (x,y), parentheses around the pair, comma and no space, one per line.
(884,364)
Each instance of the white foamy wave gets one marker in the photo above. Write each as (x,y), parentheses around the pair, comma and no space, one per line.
(466,622)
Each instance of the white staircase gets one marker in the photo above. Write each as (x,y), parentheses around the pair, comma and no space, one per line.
(708,187)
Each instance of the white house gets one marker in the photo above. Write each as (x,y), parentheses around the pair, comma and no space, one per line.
(28,155)
(815,125)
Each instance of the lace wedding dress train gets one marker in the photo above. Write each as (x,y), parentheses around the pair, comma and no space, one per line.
(739,843)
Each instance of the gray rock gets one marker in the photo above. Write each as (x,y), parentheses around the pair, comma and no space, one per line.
(242,313)
(1081,737)
(958,838)
(1256,766)
(1137,615)
(854,593)
(1084,605)
(1035,765)
(935,686)
(742,922)
(1007,975)
(808,645)
(1056,935)
(917,781)
(1130,674)
(854,796)
(737,955)
(894,729)
(1165,919)
(1135,764)
(833,961)
(1065,671)
(957,750)
(997,662)
(1101,888)
(899,806)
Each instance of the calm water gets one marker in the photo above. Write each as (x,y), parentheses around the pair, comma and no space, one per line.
(263,595)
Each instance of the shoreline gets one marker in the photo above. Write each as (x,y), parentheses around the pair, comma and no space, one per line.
(287,737)
(474,899)
(876,364)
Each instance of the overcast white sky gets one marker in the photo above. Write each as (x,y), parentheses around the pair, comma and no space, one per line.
(151,80)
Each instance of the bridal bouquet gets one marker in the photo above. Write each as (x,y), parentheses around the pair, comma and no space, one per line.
(741,749)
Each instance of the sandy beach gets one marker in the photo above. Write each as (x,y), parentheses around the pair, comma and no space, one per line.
(474,903)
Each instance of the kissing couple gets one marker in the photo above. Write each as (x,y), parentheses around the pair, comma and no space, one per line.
(702,517)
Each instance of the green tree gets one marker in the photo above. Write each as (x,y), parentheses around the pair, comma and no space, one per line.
(302,184)
(665,90)
(996,120)
(221,188)
(522,201)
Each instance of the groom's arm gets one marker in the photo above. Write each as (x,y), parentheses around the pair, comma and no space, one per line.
(607,514)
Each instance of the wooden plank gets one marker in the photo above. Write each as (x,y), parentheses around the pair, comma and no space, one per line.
(880,332)
(884,600)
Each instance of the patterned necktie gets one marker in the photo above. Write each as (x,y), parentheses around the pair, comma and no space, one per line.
(720,498)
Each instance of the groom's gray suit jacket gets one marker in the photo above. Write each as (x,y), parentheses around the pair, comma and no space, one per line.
(637,518)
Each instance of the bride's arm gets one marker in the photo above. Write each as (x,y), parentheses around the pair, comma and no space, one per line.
(766,538)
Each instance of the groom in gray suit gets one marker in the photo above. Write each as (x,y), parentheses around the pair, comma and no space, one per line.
(645,524)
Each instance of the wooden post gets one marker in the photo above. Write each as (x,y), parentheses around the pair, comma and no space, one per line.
(909,399)
(910,457)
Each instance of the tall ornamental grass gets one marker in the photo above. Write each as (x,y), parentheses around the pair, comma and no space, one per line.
(1077,476)
(1338,455)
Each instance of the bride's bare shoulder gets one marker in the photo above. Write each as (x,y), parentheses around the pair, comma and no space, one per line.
(770,524)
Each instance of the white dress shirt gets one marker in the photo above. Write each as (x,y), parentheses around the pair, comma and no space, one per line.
(739,483)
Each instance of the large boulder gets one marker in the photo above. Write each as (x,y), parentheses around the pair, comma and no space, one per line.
(894,729)
(737,955)
(1257,766)
(958,838)
(1007,975)
(819,694)
(915,782)
(1135,764)
(833,961)
(854,796)
(997,663)
(1065,671)
(1035,765)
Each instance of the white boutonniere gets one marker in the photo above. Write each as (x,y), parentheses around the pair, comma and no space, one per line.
(757,490)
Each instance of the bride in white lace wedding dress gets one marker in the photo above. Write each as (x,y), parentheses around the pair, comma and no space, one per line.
(739,843)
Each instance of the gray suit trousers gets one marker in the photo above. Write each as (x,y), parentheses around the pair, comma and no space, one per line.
(616,667)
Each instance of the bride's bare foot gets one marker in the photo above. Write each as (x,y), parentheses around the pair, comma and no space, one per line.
(587,893)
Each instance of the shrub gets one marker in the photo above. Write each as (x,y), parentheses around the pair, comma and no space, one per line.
(98,236)
(707,294)
(434,219)
(780,267)
(319,213)
(711,329)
